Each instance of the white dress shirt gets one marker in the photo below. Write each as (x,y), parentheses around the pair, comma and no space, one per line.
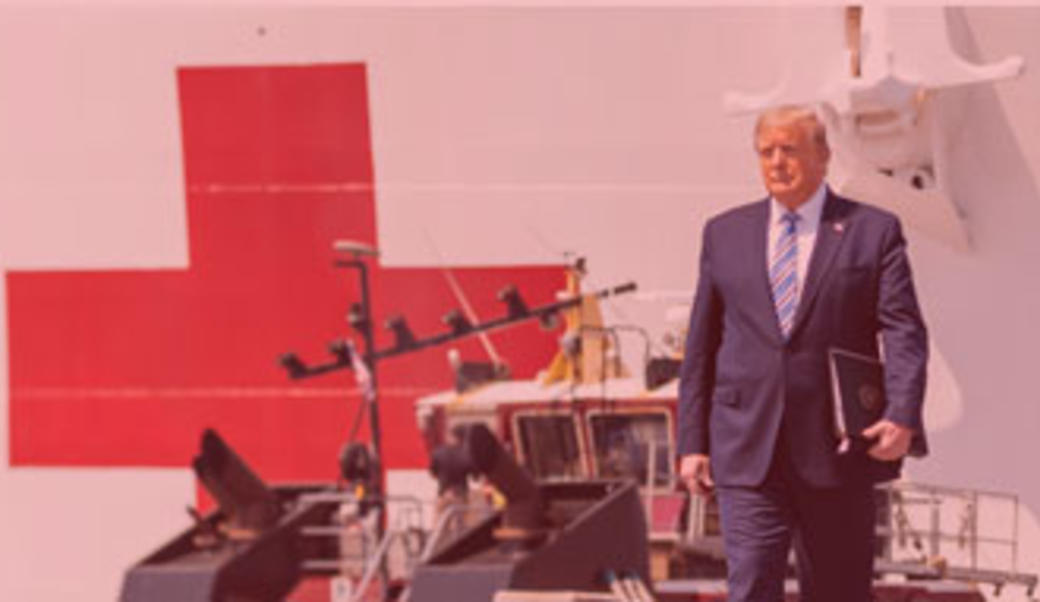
(806,227)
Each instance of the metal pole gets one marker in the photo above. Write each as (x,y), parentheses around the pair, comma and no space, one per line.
(1014,536)
(974,533)
(373,402)
(370,570)
(933,538)
(371,361)
(651,465)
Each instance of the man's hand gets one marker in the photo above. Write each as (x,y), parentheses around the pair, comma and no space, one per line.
(695,472)
(893,440)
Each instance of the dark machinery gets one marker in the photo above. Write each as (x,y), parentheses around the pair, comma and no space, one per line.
(248,550)
(550,536)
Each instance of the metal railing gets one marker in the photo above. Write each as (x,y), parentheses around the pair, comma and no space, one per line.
(361,554)
(924,531)
(942,532)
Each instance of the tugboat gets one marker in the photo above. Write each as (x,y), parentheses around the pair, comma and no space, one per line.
(586,417)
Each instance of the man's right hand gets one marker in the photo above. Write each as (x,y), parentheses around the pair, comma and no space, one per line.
(695,472)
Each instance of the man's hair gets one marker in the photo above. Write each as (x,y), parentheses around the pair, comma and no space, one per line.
(801,115)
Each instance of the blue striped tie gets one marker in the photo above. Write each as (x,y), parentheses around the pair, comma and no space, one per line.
(783,273)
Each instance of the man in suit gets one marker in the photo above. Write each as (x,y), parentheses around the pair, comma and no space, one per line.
(782,281)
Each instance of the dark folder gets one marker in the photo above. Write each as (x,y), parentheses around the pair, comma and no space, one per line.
(859,396)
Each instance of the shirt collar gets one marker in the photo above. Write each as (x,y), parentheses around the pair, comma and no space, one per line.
(809,211)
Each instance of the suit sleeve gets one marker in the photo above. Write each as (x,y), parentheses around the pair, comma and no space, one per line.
(904,338)
(697,374)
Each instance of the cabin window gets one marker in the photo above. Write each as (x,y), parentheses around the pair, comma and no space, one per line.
(623,444)
(550,445)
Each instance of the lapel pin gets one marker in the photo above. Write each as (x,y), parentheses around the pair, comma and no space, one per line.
(839,227)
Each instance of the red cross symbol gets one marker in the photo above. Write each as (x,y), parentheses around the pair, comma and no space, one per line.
(126,367)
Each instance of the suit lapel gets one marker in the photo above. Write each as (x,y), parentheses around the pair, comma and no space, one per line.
(762,297)
(829,237)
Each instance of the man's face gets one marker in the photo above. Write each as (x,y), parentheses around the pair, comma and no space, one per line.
(792,164)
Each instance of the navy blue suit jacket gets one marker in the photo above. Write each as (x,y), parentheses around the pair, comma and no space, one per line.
(741,380)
